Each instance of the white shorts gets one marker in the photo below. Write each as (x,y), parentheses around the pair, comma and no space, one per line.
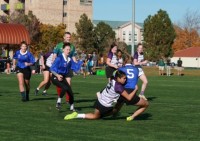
(141,72)
(161,67)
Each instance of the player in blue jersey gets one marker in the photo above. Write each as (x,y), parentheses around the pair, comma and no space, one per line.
(24,60)
(139,61)
(108,97)
(60,69)
(132,74)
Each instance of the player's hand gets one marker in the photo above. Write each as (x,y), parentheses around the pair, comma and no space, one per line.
(26,64)
(60,77)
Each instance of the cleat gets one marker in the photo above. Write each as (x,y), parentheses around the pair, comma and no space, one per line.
(143,97)
(58,106)
(36,92)
(44,94)
(129,118)
(71,116)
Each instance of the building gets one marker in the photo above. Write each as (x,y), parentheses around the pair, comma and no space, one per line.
(51,12)
(189,56)
(123,30)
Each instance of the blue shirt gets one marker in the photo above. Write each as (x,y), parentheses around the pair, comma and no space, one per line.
(61,65)
(22,58)
(132,73)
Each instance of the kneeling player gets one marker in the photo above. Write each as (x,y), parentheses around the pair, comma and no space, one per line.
(109,95)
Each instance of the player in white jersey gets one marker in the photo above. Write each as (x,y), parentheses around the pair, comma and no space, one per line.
(138,62)
(107,99)
(111,61)
(46,62)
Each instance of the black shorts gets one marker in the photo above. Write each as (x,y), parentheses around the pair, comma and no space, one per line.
(109,71)
(102,109)
(133,101)
(70,74)
(25,71)
(47,68)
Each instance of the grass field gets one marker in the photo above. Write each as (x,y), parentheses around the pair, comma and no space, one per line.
(173,114)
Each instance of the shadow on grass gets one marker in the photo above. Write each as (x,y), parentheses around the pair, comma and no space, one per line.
(145,116)
(45,98)
(151,98)
(85,100)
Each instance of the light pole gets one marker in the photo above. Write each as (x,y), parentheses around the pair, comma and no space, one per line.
(133,27)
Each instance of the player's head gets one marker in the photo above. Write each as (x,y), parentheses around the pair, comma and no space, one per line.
(23,46)
(66,48)
(119,76)
(128,59)
(140,48)
(113,48)
(67,37)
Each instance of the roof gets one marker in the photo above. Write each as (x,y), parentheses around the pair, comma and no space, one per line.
(188,52)
(113,24)
(13,34)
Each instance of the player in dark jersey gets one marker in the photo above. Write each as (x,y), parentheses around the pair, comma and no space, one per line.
(108,97)
(24,60)
(132,74)
(46,62)
(139,62)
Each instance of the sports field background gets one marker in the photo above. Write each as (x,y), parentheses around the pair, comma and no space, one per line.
(173,114)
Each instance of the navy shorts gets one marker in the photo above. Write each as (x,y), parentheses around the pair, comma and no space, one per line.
(26,72)
(109,71)
(102,109)
(133,101)
(47,68)
(70,74)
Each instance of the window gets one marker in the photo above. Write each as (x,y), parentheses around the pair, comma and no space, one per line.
(65,14)
(124,32)
(65,2)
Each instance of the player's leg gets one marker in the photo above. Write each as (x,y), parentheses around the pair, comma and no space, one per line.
(144,85)
(20,78)
(27,77)
(45,80)
(142,106)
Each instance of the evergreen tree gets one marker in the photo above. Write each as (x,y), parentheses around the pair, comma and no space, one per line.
(85,33)
(159,36)
(103,36)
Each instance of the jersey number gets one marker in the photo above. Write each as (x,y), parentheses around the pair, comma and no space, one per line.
(130,73)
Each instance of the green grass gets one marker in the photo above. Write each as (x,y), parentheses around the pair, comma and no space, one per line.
(173,113)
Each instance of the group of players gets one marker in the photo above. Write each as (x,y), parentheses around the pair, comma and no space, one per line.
(58,68)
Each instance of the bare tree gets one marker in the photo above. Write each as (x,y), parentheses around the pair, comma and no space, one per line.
(191,21)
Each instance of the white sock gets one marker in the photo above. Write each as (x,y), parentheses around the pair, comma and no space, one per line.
(44,91)
(59,100)
(38,89)
(81,116)
(72,107)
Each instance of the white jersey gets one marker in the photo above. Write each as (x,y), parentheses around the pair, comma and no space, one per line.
(111,94)
(113,58)
(49,60)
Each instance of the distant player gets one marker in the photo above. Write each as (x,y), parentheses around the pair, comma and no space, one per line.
(107,99)
(24,59)
(132,74)
(139,62)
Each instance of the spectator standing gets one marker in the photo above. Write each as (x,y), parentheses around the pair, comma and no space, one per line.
(161,66)
(179,66)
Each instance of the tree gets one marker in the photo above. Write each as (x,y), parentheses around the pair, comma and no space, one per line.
(49,36)
(103,35)
(85,34)
(159,36)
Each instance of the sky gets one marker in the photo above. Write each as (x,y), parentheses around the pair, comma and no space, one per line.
(121,10)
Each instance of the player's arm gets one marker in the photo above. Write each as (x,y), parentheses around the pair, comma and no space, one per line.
(108,62)
(131,95)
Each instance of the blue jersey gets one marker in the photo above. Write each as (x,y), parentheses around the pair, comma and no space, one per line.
(132,73)
(61,65)
(22,58)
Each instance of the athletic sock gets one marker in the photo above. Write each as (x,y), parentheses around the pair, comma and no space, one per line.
(27,95)
(142,93)
(23,94)
(44,91)
(59,100)
(81,116)
(72,107)
(38,89)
